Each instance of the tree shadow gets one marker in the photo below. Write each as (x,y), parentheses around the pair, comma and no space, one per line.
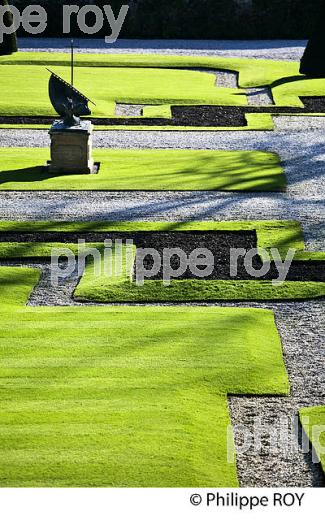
(241,171)
(304,166)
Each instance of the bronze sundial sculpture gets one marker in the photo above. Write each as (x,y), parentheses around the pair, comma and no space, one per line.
(66,100)
(71,137)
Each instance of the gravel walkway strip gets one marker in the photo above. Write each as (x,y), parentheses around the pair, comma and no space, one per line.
(259,96)
(128,110)
(226,79)
(262,49)
(294,123)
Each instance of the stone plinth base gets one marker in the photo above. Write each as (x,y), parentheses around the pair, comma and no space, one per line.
(71,149)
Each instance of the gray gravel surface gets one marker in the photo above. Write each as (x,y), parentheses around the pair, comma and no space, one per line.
(303,124)
(259,96)
(125,110)
(224,79)
(263,49)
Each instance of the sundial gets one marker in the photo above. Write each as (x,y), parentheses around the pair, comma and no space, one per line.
(71,137)
(67,101)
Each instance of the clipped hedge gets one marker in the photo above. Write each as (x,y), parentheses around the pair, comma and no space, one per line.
(9,44)
(200,19)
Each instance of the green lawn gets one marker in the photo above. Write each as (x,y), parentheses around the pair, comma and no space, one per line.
(147,79)
(105,86)
(121,288)
(313,422)
(125,396)
(21,169)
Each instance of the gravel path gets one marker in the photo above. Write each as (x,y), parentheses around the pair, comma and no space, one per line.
(263,49)
(125,110)
(302,328)
(224,79)
(259,96)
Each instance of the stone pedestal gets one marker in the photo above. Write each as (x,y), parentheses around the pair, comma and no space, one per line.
(71,148)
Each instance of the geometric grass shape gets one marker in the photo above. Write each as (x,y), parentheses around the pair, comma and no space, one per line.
(313,423)
(95,285)
(282,234)
(110,85)
(148,170)
(152,80)
(120,287)
(126,396)
(288,93)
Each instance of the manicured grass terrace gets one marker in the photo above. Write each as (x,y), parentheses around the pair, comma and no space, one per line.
(152,80)
(120,287)
(125,396)
(148,170)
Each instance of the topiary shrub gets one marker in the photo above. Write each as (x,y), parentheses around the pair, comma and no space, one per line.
(313,60)
(9,44)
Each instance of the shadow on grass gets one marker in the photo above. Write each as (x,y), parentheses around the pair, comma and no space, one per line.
(31,174)
(287,79)
(241,171)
